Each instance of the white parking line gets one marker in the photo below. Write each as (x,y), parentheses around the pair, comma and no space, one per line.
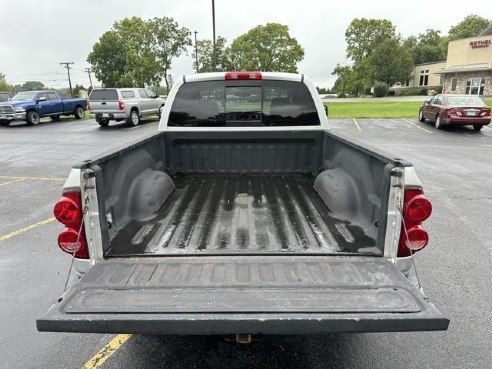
(357,124)
(14,181)
(416,125)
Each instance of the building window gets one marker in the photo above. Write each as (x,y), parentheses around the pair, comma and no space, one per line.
(475,86)
(454,82)
(424,78)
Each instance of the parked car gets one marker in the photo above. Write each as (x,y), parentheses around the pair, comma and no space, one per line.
(129,104)
(446,109)
(5,96)
(243,217)
(31,106)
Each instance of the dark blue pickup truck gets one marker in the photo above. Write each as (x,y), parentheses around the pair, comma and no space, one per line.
(31,106)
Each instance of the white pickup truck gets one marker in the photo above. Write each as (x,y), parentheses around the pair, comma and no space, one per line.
(243,214)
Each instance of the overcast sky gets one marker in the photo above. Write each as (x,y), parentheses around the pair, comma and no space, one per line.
(39,34)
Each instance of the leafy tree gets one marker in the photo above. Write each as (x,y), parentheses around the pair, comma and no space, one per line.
(265,48)
(428,47)
(363,35)
(205,55)
(391,62)
(4,86)
(344,80)
(32,86)
(169,41)
(136,53)
(471,26)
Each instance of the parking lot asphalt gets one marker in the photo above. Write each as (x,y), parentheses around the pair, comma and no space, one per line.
(454,164)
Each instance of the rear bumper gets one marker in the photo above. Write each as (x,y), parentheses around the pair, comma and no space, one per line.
(466,121)
(110,116)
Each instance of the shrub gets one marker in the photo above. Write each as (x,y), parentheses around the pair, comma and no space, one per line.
(380,89)
(341,95)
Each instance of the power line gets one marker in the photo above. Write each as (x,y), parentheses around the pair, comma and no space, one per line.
(67,66)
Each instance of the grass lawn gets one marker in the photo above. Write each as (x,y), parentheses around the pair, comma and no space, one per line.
(386,109)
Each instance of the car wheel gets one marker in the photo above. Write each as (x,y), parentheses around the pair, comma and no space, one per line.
(55,118)
(4,123)
(421,116)
(79,112)
(477,127)
(134,118)
(32,118)
(437,122)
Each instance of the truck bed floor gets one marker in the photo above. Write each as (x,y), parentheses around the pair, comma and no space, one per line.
(234,214)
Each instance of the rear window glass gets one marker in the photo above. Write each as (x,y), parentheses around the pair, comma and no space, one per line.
(465,100)
(103,95)
(243,104)
(127,94)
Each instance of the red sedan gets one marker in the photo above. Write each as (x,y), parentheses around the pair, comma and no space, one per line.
(456,110)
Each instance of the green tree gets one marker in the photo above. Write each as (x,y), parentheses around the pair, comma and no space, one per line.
(32,86)
(4,86)
(363,35)
(136,53)
(265,48)
(344,81)
(169,41)
(471,26)
(391,62)
(428,47)
(205,55)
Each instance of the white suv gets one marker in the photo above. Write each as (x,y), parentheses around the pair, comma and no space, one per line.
(130,104)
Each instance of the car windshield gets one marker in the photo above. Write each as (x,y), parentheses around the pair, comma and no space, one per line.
(25,96)
(243,104)
(465,100)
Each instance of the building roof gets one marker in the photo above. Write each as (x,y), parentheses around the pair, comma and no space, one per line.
(487,31)
(466,68)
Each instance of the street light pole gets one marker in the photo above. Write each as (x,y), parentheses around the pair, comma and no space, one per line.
(196,53)
(213,28)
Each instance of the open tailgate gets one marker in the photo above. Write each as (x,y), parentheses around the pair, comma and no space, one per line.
(243,295)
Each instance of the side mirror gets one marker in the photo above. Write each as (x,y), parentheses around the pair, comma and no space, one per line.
(42,98)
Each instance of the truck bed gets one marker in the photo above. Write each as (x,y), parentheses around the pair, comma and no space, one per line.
(231,214)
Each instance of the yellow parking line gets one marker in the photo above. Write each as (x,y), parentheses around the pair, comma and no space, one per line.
(416,125)
(10,182)
(25,229)
(357,124)
(35,178)
(105,353)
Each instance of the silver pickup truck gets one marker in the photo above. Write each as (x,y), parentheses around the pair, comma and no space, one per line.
(123,104)
(243,214)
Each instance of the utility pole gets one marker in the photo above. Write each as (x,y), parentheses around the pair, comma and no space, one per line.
(213,28)
(89,71)
(68,66)
(196,53)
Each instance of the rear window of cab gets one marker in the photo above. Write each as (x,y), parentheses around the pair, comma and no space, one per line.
(243,104)
(104,95)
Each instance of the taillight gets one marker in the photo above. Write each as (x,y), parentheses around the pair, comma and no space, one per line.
(121,105)
(232,76)
(416,209)
(485,113)
(88,105)
(68,211)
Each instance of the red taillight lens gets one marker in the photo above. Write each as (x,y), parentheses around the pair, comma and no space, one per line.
(121,105)
(416,209)
(232,76)
(88,105)
(68,210)
(486,113)
(70,242)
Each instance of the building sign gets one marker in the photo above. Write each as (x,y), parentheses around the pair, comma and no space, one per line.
(480,44)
